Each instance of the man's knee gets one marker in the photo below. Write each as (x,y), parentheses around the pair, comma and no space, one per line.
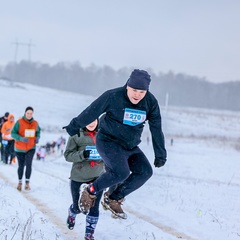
(120,176)
(148,172)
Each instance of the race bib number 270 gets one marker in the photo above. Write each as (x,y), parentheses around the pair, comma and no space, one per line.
(133,117)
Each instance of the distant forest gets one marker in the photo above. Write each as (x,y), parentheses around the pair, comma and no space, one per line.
(180,89)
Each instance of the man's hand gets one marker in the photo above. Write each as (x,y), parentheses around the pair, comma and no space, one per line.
(70,131)
(159,162)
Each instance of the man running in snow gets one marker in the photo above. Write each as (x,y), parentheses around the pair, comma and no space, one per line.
(126,111)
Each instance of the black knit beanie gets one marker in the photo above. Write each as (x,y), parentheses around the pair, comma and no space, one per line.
(28,108)
(139,79)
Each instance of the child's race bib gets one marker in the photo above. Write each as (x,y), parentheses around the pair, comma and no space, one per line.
(94,155)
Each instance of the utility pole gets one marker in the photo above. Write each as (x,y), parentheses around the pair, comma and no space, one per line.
(28,45)
(17,44)
(166,112)
(166,101)
(16,50)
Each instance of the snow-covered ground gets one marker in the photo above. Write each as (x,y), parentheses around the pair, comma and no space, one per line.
(195,196)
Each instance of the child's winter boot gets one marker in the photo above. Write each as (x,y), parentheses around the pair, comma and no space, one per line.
(71,219)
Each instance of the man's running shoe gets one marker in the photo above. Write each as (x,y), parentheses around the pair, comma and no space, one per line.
(114,206)
(86,201)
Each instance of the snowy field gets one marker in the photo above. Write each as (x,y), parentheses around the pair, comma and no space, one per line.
(195,196)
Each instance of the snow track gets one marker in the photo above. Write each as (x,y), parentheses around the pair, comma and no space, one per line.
(162,227)
(44,209)
(53,210)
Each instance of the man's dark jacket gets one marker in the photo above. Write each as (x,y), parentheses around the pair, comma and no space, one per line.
(113,103)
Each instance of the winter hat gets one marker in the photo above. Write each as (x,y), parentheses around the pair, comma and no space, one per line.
(139,79)
(28,108)
(6,114)
(11,116)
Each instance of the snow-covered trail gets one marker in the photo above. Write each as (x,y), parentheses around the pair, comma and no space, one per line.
(194,197)
(54,182)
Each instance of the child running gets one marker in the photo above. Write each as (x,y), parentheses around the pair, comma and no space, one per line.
(87,166)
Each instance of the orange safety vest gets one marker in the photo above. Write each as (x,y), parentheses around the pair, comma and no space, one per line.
(26,129)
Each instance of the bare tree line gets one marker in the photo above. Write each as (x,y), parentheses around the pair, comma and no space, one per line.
(182,89)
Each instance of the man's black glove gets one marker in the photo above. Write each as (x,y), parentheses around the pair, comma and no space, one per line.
(159,162)
(71,131)
(86,153)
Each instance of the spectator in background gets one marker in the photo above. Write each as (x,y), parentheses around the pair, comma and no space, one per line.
(42,153)
(7,140)
(62,147)
(3,119)
(26,133)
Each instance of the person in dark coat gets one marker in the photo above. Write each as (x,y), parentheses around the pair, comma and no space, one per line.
(124,112)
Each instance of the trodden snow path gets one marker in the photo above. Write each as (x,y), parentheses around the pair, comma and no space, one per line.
(184,200)
(56,183)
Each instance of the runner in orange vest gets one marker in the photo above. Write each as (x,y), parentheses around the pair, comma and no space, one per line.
(26,133)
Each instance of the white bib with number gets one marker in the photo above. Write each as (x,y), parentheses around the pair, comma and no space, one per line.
(29,133)
(133,117)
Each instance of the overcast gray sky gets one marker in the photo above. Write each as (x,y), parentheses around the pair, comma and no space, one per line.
(200,38)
